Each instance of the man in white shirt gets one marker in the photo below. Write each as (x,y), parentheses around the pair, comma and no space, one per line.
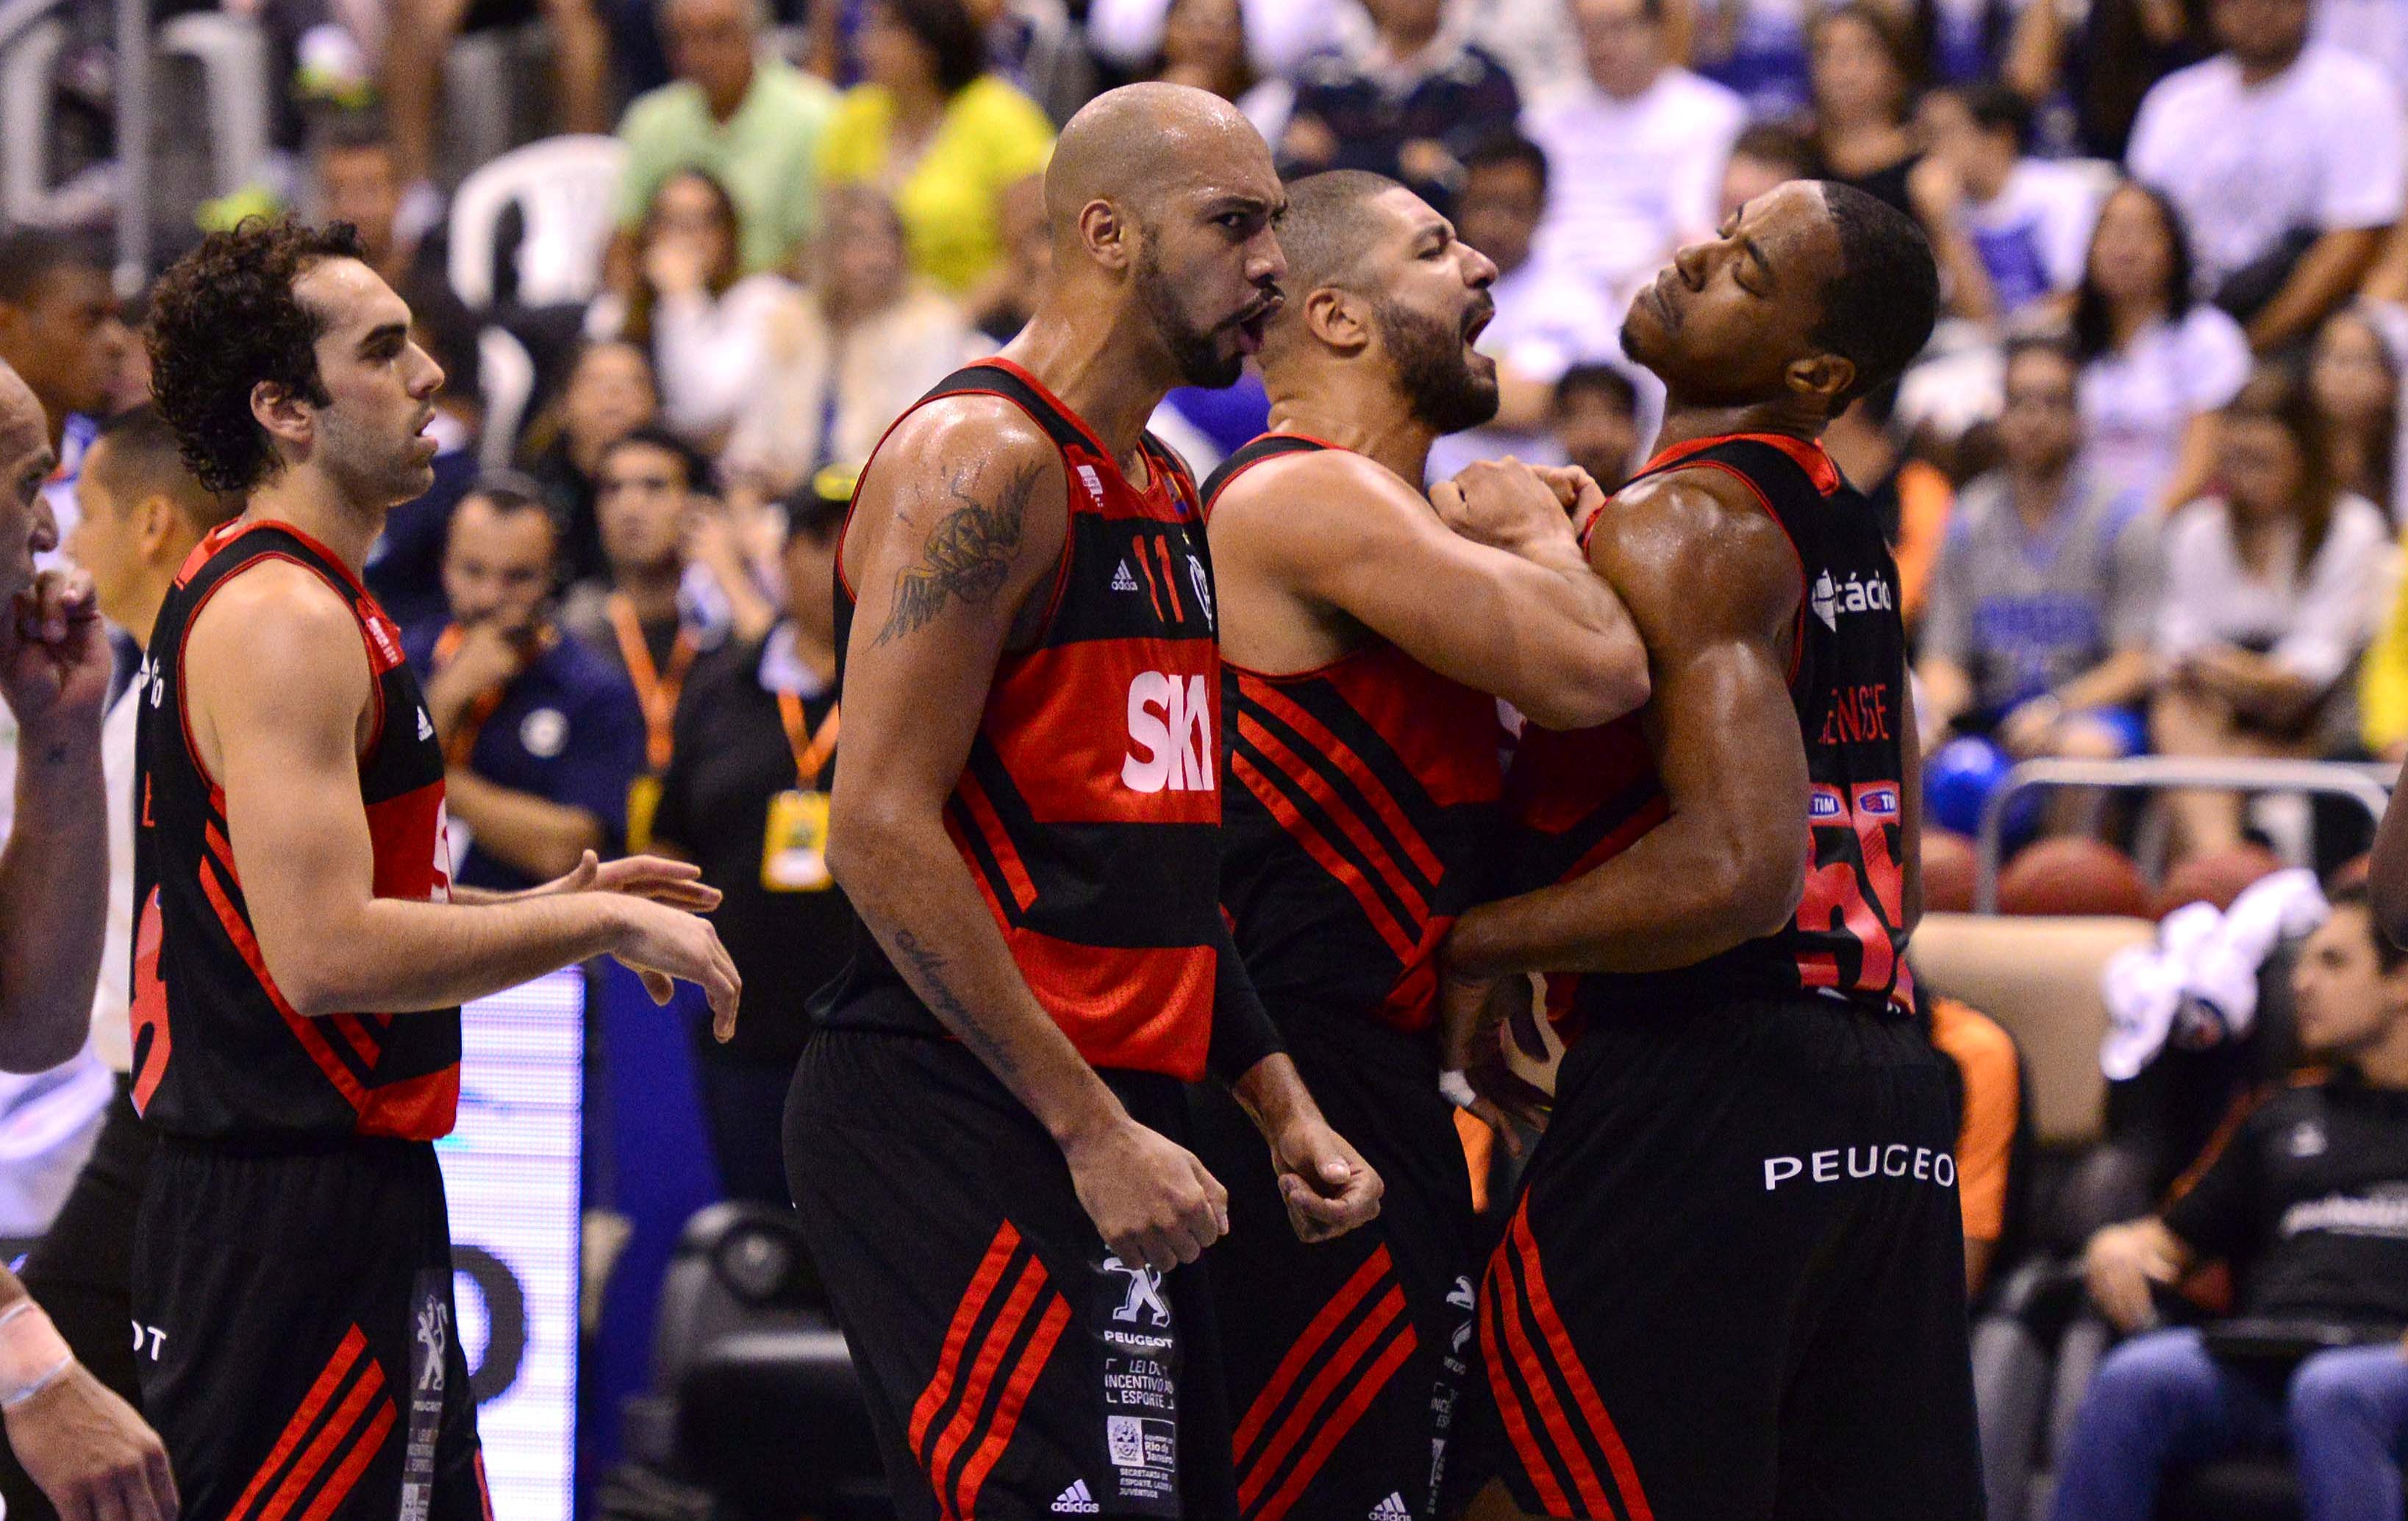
(143,512)
(2276,148)
(1637,149)
(1547,319)
(2029,219)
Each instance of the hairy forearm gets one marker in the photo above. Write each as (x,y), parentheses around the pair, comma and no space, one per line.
(528,834)
(399,956)
(1687,890)
(909,884)
(1576,658)
(53,899)
(1273,1094)
(2324,278)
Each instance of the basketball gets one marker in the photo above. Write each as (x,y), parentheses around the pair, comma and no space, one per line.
(1948,861)
(2218,877)
(2075,875)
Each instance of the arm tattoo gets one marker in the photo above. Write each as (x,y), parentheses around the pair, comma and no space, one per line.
(968,553)
(928,966)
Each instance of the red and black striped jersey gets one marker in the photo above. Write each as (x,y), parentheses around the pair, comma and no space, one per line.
(219,1053)
(1363,796)
(1089,812)
(1576,801)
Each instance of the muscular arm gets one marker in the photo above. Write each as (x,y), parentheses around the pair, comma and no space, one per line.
(1341,534)
(278,684)
(958,526)
(2324,278)
(529,834)
(1713,586)
(53,897)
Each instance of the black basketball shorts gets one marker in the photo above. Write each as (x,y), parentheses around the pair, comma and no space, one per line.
(300,1355)
(1014,1369)
(1733,1287)
(1346,1359)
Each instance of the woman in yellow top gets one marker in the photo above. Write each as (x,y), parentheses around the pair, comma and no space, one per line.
(938,134)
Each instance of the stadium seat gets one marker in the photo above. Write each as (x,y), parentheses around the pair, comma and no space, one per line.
(563,189)
(31,40)
(496,96)
(505,374)
(231,54)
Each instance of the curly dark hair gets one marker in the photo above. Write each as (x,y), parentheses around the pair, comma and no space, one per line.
(222,318)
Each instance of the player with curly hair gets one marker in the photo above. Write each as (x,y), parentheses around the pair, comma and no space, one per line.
(300,953)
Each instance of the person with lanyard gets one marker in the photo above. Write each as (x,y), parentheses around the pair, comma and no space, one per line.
(746,799)
(540,735)
(678,585)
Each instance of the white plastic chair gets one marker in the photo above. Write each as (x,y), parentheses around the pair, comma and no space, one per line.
(232,55)
(30,43)
(564,189)
(505,374)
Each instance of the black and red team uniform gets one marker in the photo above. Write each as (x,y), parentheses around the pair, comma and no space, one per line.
(1734,1283)
(292,1281)
(1362,796)
(1012,1367)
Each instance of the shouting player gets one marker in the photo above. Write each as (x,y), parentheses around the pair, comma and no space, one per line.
(1734,1285)
(983,1136)
(1367,644)
(299,957)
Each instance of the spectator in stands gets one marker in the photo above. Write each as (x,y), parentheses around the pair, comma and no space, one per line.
(754,122)
(2303,1200)
(1596,422)
(2270,593)
(2043,616)
(1007,300)
(2354,375)
(845,363)
(679,584)
(1763,157)
(1548,319)
(543,737)
(1279,34)
(685,297)
(2103,62)
(1406,102)
(359,181)
(1990,1098)
(2157,367)
(423,32)
(1864,78)
(1911,497)
(2382,686)
(1036,45)
(2287,160)
(941,134)
(1637,151)
(405,566)
(2029,219)
(746,799)
(609,394)
(1204,48)
(61,333)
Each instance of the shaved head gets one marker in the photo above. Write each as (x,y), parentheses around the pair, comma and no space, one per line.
(19,408)
(1136,145)
(27,527)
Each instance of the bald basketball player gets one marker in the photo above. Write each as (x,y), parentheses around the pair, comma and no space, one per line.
(1366,644)
(1733,1287)
(985,1136)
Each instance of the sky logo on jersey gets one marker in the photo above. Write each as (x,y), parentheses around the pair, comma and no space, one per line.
(1170,734)
(1878,802)
(1832,598)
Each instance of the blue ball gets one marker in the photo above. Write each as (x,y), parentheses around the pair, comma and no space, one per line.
(1958,780)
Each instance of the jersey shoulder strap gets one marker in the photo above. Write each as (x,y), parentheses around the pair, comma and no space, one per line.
(1268,446)
(994,378)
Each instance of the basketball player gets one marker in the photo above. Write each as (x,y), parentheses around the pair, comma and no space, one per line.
(1365,646)
(984,1138)
(1733,1286)
(299,956)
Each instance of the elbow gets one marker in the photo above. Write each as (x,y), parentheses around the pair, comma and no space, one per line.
(313,992)
(1759,887)
(1595,692)
(864,832)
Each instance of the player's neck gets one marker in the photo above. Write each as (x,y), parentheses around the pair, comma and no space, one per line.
(308,501)
(1388,435)
(2384,1064)
(1111,381)
(1687,423)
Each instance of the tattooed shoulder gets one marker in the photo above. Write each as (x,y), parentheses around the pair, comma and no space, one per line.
(969,553)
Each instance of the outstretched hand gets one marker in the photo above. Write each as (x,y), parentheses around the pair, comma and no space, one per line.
(677,884)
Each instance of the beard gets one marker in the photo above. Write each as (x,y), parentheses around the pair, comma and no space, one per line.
(1194,351)
(1434,369)
(370,466)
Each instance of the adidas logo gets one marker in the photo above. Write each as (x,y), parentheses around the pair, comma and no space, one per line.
(1392,1509)
(425,725)
(1122,580)
(1075,1500)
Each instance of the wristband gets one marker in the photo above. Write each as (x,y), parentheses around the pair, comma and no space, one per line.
(32,1353)
(1456,1088)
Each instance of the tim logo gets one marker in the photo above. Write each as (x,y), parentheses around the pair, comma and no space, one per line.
(1170,734)
(1878,802)
(1144,1296)
(1826,804)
